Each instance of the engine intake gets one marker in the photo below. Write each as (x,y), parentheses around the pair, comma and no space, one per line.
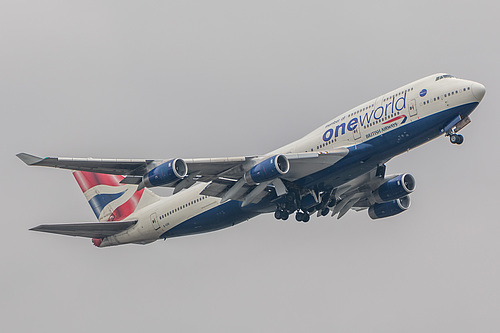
(269,169)
(395,188)
(391,208)
(165,174)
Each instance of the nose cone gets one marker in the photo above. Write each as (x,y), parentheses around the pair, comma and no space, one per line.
(478,90)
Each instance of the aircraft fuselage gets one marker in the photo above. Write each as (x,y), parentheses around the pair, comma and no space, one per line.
(373,132)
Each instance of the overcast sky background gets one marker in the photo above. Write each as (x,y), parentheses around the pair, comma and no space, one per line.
(160,79)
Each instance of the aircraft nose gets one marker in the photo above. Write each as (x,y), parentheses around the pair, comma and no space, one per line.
(478,90)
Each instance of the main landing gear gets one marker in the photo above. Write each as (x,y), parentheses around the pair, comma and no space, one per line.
(456,139)
(325,211)
(302,217)
(303,207)
(281,215)
(299,216)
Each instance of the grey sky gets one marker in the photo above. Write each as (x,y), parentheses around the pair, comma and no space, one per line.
(159,79)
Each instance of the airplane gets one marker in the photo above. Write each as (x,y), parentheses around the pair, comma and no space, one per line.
(338,167)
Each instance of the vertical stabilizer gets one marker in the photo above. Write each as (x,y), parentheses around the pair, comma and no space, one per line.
(110,200)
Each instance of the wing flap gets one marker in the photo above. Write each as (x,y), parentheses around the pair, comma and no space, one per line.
(90,230)
(218,187)
(304,164)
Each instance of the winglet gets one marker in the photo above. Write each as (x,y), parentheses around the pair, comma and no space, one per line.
(29,159)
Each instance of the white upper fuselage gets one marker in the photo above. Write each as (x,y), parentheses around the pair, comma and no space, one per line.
(367,120)
(379,116)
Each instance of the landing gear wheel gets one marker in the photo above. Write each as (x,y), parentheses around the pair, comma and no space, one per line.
(325,212)
(456,139)
(277,215)
(284,216)
(299,216)
(305,218)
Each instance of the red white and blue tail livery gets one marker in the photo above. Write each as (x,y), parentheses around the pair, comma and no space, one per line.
(111,200)
(338,167)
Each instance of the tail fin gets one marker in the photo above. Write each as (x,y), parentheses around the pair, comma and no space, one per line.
(110,200)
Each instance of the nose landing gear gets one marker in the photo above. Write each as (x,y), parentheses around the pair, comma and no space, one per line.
(454,127)
(456,139)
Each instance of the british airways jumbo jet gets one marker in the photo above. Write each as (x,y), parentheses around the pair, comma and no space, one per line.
(337,167)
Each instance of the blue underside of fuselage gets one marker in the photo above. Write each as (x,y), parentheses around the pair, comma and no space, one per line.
(361,158)
(369,154)
(220,217)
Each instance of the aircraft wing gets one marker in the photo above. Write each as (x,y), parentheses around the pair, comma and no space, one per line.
(205,167)
(90,230)
(216,171)
(200,169)
(225,178)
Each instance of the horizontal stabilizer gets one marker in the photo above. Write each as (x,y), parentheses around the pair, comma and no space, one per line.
(90,230)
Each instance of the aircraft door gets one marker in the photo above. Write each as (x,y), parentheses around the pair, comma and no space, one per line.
(356,133)
(413,108)
(154,221)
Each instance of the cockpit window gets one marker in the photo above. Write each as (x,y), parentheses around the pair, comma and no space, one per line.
(444,77)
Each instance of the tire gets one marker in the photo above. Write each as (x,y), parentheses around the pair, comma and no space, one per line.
(306,218)
(284,216)
(460,139)
(277,215)
(454,138)
(298,217)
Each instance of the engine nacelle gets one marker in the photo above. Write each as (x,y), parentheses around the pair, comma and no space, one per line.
(395,188)
(391,208)
(166,173)
(271,168)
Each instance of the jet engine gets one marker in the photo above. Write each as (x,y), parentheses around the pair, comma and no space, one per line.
(268,169)
(395,188)
(165,174)
(391,208)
